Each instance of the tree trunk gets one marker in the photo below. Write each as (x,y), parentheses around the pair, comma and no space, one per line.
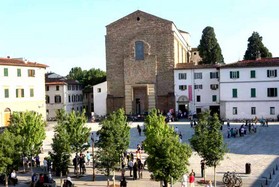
(6,180)
(214,176)
(165,183)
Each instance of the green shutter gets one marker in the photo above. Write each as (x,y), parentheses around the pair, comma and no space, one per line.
(6,72)
(6,93)
(252,74)
(253,92)
(22,92)
(234,92)
(16,93)
(237,74)
(231,74)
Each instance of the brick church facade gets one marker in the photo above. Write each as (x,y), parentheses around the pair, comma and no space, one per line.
(142,51)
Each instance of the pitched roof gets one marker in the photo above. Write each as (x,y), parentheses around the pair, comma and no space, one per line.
(55,79)
(20,62)
(263,62)
(193,66)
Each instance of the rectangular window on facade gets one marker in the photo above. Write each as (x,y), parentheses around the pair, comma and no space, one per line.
(47,88)
(252,74)
(69,98)
(234,93)
(234,74)
(253,92)
(31,92)
(19,93)
(57,99)
(19,72)
(31,73)
(69,87)
(6,93)
(214,98)
(272,73)
(214,75)
(139,53)
(6,72)
(182,87)
(253,110)
(197,75)
(99,90)
(214,86)
(57,88)
(182,76)
(198,86)
(234,111)
(198,98)
(272,110)
(271,92)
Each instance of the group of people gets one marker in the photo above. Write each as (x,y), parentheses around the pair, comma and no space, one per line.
(79,162)
(243,130)
(188,179)
(42,180)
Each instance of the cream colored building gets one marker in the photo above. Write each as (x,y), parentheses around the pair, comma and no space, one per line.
(22,88)
(100,96)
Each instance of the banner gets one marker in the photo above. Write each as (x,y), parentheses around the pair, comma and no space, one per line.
(190,92)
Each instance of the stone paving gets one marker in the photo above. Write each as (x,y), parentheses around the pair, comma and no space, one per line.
(259,149)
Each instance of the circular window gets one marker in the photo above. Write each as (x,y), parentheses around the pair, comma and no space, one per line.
(138,18)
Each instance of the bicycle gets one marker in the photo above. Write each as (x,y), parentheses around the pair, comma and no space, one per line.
(232,179)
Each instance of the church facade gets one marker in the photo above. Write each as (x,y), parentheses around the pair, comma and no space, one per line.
(142,51)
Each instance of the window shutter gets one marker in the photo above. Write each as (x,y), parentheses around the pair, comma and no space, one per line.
(237,74)
(230,74)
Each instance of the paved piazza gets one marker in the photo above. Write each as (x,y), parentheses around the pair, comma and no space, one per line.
(260,149)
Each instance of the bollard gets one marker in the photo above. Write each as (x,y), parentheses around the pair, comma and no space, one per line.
(270,176)
(266,181)
(273,171)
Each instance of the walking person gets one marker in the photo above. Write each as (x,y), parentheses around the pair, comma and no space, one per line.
(139,130)
(192,180)
(184,182)
(130,166)
(202,168)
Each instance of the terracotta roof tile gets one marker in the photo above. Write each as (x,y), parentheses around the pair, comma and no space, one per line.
(254,63)
(193,66)
(18,62)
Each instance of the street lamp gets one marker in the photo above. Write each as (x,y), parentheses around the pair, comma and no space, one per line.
(93,159)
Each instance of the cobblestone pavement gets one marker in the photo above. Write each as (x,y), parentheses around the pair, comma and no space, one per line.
(259,149)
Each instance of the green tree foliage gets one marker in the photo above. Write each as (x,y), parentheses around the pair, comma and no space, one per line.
(167,157)
(208,140)
(8,143)
(114,137)
(87,78)
(209,49)
(255,48)
(31,127)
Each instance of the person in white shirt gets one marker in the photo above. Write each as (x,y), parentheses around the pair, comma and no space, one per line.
(184,182)
(14,177)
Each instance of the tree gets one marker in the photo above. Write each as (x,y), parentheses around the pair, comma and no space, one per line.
(71,134)
(167,157)
(113,141)
(255,48)
(76,73)
(209,49)
(208,140)
(31,127)
(8,142)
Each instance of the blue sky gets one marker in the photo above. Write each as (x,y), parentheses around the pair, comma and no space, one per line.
(71,33)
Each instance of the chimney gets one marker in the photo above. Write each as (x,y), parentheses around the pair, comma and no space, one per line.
(8,56)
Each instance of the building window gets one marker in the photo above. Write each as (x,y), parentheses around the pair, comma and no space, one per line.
(31,73)
(19,72)
(6,72)
(272,73)
(57,88)
(47,99)
(271,92)
(252,74)
(182,87)
(31,92)
(198,86)
(214,75)
(272,110)
(69,98)
(139,47)
(234,74)
(198,98)
(234,93)
(214,98)
(57,99)
(73,87)
(19,93)
(99,90)
(73,98)
(253,92)
(6,92)
(214,86)
(253,110)
(234,110)
(197,75)
(69,87)
(182,76)
(47,88)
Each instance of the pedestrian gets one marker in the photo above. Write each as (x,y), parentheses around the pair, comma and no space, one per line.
(123,182)
(209,184)
(184,182)
(139,130)
(202,168)
(88,158)
(13,178)
(192,180)
(135,170)
(130,166)
(45,165)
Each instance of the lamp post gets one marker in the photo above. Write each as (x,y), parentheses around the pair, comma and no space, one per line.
(93,156)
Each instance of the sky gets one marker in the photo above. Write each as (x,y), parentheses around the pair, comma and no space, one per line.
(71,33)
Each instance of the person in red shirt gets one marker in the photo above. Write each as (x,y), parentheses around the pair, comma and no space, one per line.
(192,180)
